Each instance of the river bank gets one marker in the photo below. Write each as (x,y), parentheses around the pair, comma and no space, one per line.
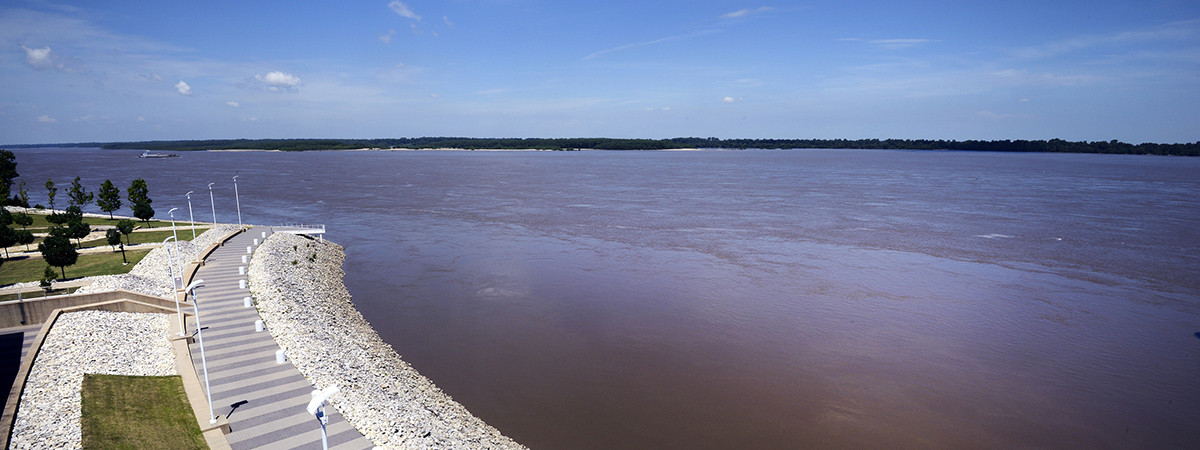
(297,285)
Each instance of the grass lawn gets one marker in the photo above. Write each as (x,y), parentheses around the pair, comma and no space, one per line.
(31,269)
(137,412)
(39,221)
(148,237)
(38,293)
(32,246)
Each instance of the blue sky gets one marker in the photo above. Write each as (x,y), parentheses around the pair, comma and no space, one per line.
(135,70)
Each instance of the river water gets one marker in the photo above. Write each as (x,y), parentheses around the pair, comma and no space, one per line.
(751,299)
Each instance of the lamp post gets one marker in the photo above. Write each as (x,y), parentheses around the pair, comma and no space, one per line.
(212,417)
(211,202)
(316,407)
(175,234)
(192,218)
(174,287)
(238,200)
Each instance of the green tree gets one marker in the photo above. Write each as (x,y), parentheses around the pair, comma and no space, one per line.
(125,226)
(139,197)
(114,239)
(143,211)
(71,214)
(47,282)
(8,173)
(58,251)
(109,198)
(25,237)
(8,238)
(23,194)
(22,219)
(78,230)
(51,191)
(79,195)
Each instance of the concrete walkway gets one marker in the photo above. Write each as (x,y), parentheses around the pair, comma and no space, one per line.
(242,367)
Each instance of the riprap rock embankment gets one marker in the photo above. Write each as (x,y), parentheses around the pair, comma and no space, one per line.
(298,287)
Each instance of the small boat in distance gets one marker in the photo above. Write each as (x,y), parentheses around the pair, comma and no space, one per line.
(150,154)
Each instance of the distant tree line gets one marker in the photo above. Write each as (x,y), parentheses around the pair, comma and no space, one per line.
(1031,146)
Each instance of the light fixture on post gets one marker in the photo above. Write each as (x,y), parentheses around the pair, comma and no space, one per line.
(238,200)
(316,407)
(192,219)
(174,286)
(212,417)
(178,268)
(213,203)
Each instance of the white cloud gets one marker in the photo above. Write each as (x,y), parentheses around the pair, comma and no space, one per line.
(87,118)
(403,10)
(386,38)
(745,12)
(896,44)
(729,99)
(46,119)
(38,58)
(447,20)
(183,88)
(233,103)
(279,81)
(141,119)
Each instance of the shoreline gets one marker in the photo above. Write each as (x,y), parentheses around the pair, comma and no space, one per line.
(297,286)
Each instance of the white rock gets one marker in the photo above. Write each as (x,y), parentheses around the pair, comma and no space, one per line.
(309,312)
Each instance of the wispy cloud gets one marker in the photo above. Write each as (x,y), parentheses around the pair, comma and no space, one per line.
(183,88)
(386,38)
(233,103)
(403,10)
(890,44)
(1180,30)
(46,119)
(746,12)
(647,43)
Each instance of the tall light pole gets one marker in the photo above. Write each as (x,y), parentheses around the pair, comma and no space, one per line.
(238,200)
(175,234)
(316,407)
(174,287)
(212,417)
(192,218)
(214,204)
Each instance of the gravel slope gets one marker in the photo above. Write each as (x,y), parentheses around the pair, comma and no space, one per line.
(308,310)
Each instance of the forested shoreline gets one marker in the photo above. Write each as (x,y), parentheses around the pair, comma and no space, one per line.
(1023,146)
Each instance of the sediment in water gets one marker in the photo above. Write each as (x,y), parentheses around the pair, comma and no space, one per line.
(297,285)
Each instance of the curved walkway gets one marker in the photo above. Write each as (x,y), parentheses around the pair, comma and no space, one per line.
(242,371)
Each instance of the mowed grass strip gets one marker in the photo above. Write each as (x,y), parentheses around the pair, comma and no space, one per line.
(148,237)
(39,221)
(88,264)
(128,412)
(37,293)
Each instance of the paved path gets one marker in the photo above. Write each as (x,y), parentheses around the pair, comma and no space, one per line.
(241,366)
